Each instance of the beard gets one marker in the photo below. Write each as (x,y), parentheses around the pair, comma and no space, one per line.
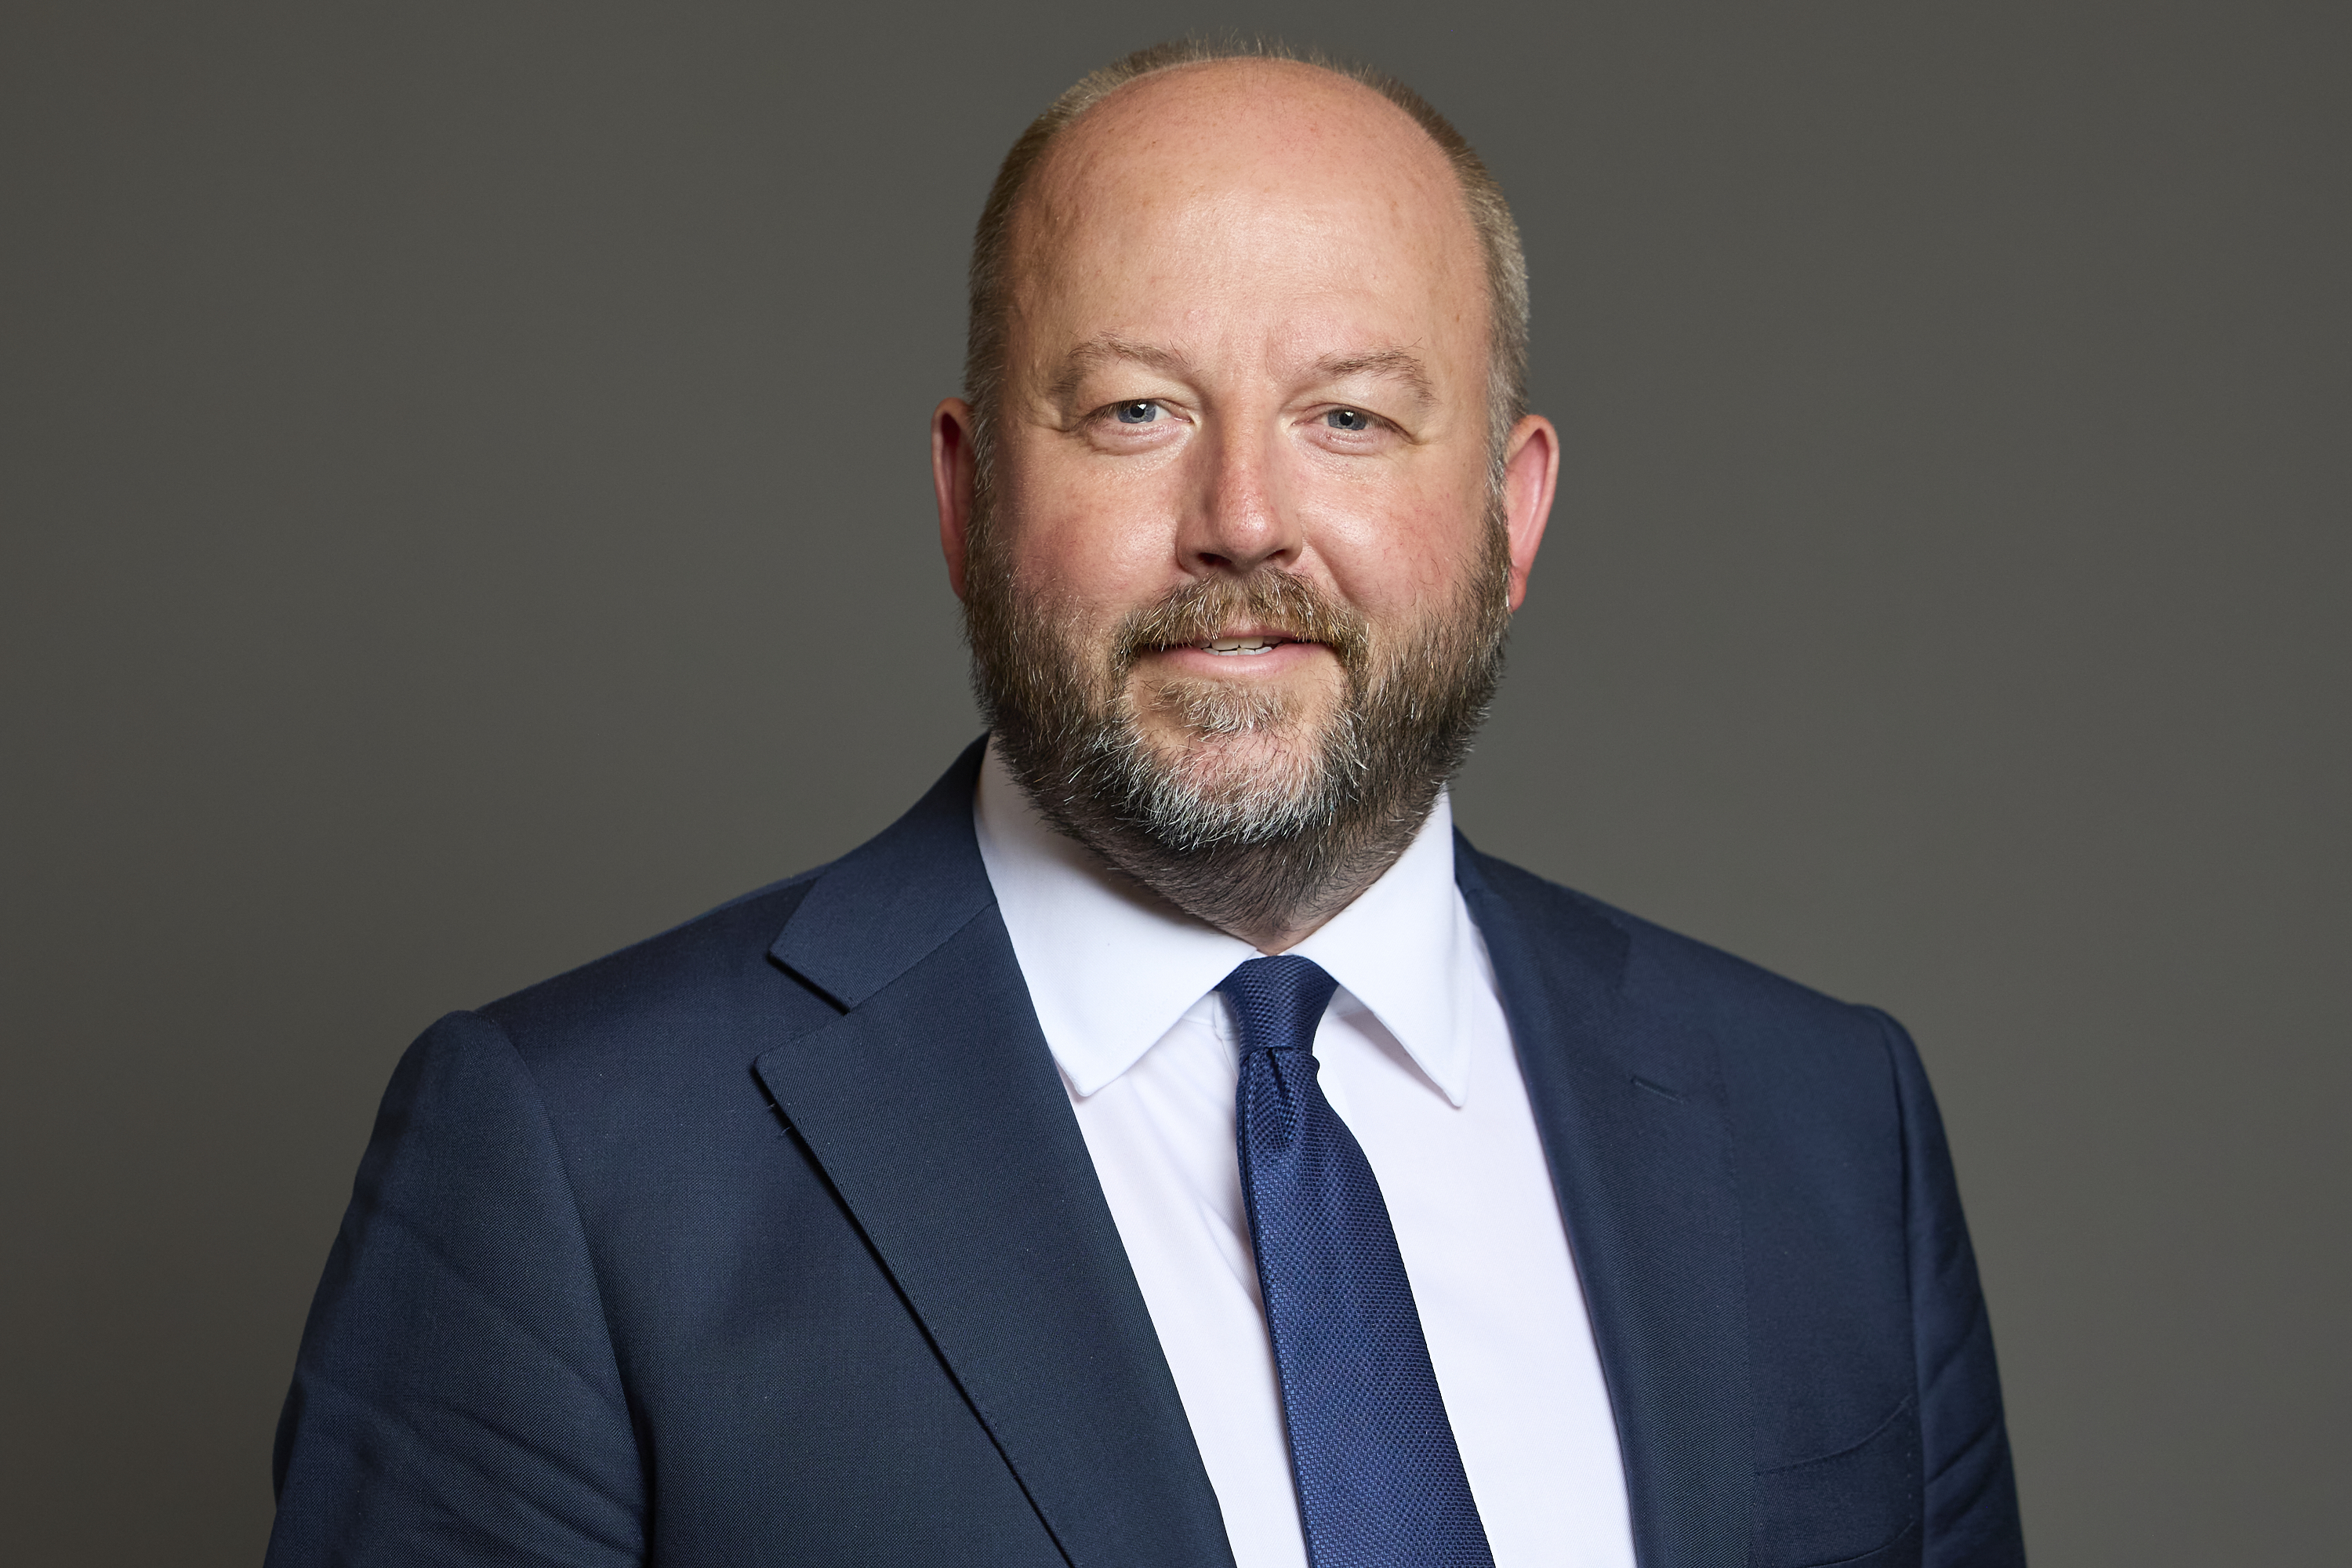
(1253,808)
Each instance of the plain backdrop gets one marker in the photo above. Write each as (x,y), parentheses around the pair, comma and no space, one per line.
(462,477)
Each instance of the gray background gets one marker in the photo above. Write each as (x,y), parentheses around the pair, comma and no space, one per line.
(464,508)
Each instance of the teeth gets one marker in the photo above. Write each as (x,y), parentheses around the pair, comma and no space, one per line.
(1240,645)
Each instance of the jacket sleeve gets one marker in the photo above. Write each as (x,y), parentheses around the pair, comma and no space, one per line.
(456,1398)
(1971,1491)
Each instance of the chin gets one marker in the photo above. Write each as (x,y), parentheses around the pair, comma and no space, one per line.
(1275,757)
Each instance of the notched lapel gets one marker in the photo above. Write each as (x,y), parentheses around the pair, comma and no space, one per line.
(935,1108)
(1634,1125)
(879,910)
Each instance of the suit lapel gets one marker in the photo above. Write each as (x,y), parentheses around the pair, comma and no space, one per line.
(1632,1117)
(934,1106)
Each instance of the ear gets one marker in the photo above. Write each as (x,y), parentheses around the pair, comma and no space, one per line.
(1530,473)
(952,478)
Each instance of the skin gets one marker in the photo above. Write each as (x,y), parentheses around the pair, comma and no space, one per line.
(1270,270)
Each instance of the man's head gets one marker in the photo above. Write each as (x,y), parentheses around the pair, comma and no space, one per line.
(1244,496)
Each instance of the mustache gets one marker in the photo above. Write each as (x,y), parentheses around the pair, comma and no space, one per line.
(1268,599)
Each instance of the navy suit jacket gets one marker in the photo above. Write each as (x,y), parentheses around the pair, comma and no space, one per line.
(773,1240)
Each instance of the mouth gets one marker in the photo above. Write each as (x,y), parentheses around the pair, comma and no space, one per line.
(1242,642)
(1244,647)
(1247,656)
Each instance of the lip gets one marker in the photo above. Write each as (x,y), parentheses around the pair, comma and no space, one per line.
(1284,658)
(1246,632)
(1243,632)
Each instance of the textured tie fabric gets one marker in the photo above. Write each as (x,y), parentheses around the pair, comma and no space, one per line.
(1380,1480)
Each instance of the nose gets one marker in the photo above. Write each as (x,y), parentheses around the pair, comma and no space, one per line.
(1237,518)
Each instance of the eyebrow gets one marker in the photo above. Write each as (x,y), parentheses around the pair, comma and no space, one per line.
(1109,348)
(1401,366)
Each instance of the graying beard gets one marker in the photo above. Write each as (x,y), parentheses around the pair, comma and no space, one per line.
(1279,850)
(1184,818)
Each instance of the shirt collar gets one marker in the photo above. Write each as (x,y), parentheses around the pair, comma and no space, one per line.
(1111,966)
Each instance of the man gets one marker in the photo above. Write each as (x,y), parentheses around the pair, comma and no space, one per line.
(1169,1144)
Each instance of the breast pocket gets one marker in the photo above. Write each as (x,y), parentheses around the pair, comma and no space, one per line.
(1858,1507)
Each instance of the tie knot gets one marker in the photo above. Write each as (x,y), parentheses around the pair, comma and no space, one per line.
(1277,1002)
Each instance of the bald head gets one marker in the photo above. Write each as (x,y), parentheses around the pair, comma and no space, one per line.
(1206,137)
(1145,158)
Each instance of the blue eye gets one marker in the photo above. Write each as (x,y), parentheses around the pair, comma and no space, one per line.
(1141,412)
(1347,419)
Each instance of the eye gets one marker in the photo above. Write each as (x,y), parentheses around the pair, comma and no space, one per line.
(1142,411)
(1347,419)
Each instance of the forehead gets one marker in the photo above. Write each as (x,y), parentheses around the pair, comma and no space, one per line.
(1263,171)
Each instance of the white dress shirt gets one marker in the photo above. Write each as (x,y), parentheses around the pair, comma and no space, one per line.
(1416,1058)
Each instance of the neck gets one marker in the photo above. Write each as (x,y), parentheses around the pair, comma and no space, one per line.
(1280,935)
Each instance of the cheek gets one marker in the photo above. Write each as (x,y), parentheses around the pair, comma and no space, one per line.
(1078,533)
(1407,558)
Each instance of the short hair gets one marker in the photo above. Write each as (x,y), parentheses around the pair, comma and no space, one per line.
(1490,217)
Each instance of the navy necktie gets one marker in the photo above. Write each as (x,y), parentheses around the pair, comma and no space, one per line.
(1380,1480)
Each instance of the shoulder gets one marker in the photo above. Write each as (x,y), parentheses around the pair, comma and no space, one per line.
(1659,981)
(688,1011)
(705,988)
